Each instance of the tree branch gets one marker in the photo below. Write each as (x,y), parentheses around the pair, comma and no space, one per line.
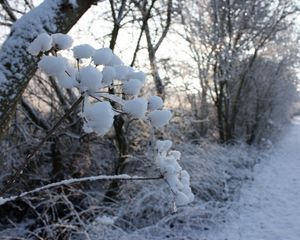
(122,177)
(8,10)
(17,66)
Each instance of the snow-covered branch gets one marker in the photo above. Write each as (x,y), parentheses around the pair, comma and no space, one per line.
(17,66)
(77,180)
(99,116)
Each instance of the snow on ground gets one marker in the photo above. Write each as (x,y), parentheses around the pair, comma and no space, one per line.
(268,208)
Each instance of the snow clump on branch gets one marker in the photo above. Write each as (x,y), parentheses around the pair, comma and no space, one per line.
(53,66)
(99,117)
(159,118)
(61,41)
(154,103)
(89,79)
(67,79)
(177,179)
(132,87)
(102,56)
(136,107)
(42,43)
(83,51)
(109,74)
(137,75)
(92,82)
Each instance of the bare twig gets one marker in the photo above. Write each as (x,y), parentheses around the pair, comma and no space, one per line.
(7,8)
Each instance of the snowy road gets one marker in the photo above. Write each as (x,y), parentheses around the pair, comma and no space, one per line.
(269,207)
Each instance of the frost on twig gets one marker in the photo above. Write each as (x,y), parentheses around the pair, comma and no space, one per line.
(76,180)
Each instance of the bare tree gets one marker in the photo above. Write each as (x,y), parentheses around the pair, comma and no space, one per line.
(152,17)
(269,90)
(223,33)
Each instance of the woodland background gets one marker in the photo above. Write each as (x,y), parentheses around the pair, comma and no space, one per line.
(228,69)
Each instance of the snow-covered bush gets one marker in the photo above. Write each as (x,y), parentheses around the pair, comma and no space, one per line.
(93,78)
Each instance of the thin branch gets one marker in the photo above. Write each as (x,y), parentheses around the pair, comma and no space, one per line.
(137,48)
(146,17)
(166,29)
(122,177)
(6,24)
(121,11)
(7,8)
(33,116)
(60,96)
(111,2)
(29,4)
